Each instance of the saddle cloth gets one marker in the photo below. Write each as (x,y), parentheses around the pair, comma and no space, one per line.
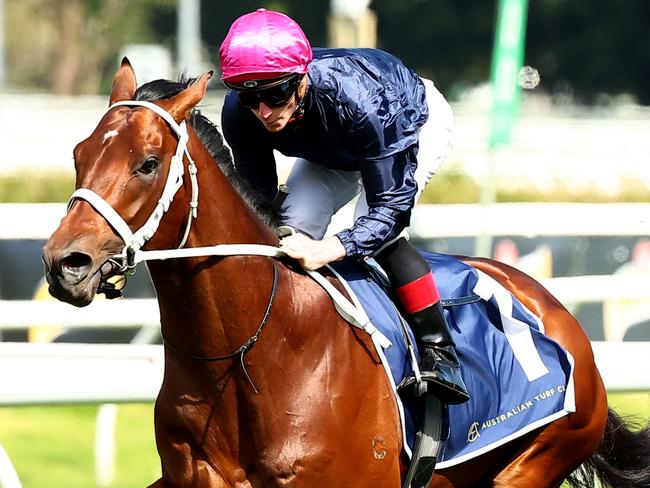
(518,378)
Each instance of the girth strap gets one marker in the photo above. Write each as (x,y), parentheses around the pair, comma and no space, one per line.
(453,302)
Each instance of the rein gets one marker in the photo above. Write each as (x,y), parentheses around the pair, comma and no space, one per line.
(246,346)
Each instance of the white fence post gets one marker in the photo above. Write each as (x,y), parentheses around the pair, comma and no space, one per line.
(105,444)
(8,476)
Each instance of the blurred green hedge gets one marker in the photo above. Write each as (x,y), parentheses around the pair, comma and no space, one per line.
(36,187)
(449,186)
(454,186)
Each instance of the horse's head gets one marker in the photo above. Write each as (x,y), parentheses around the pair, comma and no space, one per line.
(122,170)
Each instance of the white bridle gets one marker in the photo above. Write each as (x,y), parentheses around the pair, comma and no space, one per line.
(135,240)
(132,254)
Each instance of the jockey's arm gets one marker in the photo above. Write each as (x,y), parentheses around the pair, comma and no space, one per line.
(389,213)
(390,193)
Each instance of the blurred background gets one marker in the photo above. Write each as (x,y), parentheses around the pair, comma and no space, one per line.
(550,172)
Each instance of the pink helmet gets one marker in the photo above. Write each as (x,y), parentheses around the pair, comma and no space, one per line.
(263,45)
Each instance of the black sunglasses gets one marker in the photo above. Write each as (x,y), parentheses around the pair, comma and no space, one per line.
(276,96)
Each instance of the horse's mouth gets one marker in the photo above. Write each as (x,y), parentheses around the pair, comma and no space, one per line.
(83,292)
(79,295)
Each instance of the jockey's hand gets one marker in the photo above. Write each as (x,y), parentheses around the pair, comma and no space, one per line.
(313,254)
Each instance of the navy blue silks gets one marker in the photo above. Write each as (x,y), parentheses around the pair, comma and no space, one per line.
(363,111)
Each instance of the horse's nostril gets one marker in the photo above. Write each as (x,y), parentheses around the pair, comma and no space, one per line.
(76,260)
(76,264)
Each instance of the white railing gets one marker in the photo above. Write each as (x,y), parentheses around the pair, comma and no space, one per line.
(623,366)
(532,219)
(21,314)
(38,221)
(45,374)
(49,374)
(117,373)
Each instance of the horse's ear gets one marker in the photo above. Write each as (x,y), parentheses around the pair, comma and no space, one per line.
(124,84)
(180,106)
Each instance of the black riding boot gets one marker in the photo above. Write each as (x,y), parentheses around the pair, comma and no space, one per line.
(439,363)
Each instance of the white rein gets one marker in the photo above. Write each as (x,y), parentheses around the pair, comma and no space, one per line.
(132,254)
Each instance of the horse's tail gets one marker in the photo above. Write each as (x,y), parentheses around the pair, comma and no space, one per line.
(622,459)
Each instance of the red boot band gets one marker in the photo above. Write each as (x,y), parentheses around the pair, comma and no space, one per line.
(418,294)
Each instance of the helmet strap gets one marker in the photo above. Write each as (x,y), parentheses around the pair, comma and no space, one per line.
(300,106)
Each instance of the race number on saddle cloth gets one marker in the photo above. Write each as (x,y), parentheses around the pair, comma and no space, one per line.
(518,378)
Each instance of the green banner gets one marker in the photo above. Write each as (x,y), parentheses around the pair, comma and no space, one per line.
(507,59)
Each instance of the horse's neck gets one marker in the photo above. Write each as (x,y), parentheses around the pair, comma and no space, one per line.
(215,300)
(224,216)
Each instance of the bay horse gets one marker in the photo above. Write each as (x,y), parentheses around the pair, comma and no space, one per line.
(265,385)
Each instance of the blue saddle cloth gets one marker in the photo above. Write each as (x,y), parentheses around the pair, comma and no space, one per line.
(518,378)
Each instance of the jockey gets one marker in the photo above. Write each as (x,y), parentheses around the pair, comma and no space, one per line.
(358,121)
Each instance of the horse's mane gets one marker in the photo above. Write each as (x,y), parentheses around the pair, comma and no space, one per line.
(211,138)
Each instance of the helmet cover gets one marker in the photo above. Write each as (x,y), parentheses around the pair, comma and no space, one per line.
(262,45)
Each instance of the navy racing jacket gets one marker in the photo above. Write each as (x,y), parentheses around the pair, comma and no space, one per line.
(363,110)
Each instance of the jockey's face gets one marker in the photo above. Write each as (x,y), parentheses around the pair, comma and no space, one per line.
(275,119)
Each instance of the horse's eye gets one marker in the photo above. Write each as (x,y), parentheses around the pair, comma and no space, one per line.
(148,166)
